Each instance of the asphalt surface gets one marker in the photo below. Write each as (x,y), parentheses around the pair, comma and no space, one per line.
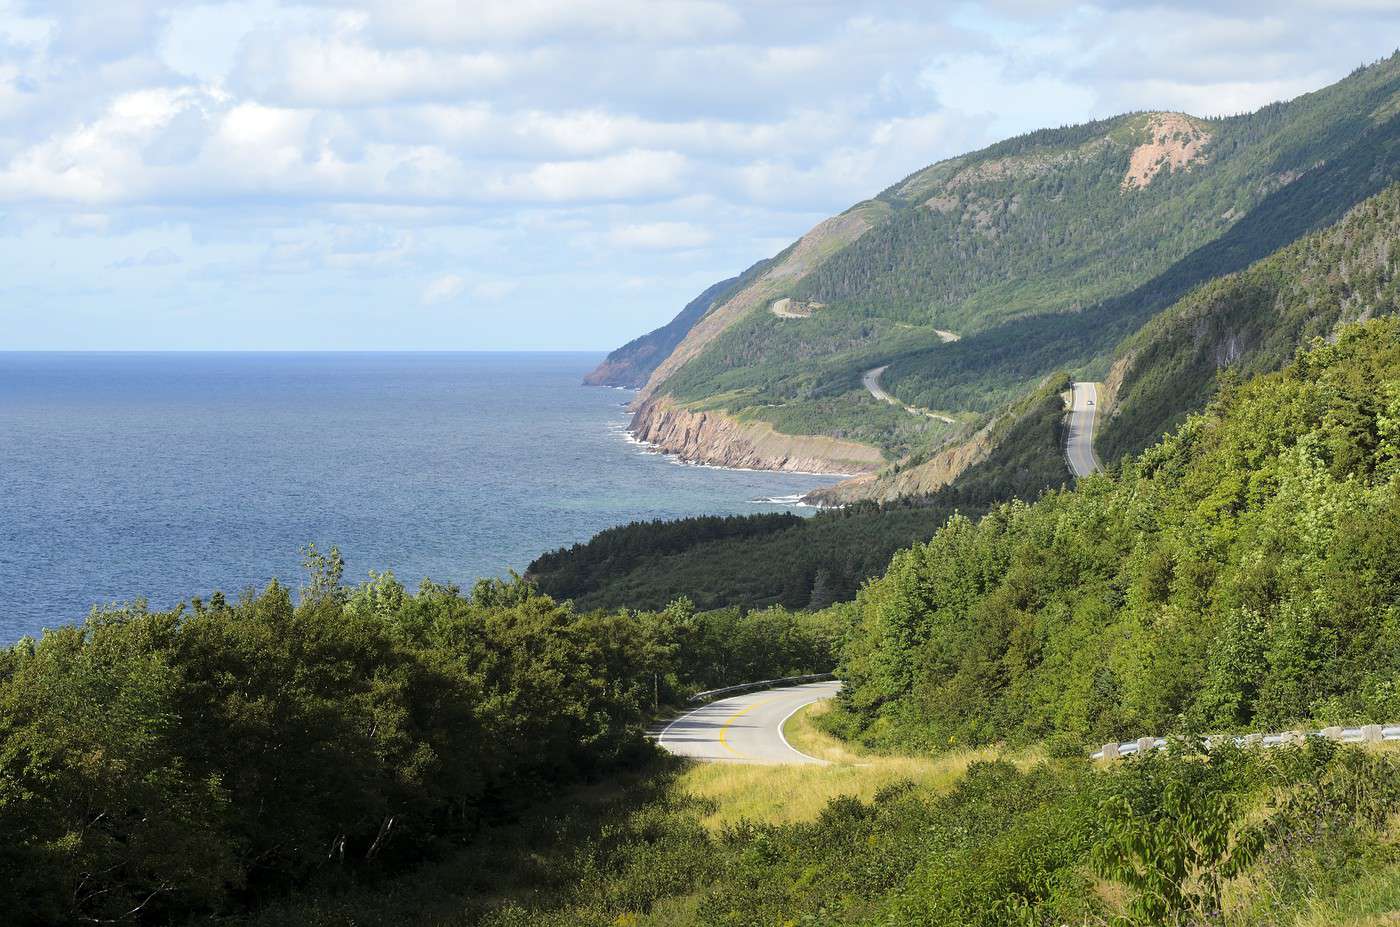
(745,728)
(871,379)
(1083,414)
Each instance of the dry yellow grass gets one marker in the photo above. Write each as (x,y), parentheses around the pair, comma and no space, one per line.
(785,794)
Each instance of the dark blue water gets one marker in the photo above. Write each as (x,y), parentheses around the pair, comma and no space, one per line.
(172,475)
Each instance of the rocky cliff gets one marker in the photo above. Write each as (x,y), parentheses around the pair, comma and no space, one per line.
(717,439)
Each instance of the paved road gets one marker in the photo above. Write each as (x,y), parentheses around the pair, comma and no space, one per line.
(1083,413)
(871,380)
(745,728)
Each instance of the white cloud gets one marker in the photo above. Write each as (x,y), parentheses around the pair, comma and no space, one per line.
(156,257)
(340,70)
(620,153)
(659,236)
(629,175)
(456,21)
(443,288)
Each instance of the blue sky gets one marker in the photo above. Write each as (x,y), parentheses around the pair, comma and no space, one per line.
(532,174)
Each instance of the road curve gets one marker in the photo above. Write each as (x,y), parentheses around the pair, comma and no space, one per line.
(1079,448)
(746,728)
(871,381)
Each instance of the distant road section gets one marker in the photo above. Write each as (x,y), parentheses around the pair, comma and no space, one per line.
(1083,413)
(746,728)
(871,379)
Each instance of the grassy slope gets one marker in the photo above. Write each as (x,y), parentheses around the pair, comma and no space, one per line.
(957,839)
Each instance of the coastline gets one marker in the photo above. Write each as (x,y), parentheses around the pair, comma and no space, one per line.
(715,439)
(650,448)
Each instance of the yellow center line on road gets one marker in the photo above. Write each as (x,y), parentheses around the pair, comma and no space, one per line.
(724,728)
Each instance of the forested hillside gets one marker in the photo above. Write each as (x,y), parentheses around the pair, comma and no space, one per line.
(1044,252)
(1251,322)
(1243,573)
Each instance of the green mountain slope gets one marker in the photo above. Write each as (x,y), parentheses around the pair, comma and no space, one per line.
(1044,252)
(1253,322)
(1243,573)
(631,365)
(1250,323)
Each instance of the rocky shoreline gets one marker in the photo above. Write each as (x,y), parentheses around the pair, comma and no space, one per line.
(716,439)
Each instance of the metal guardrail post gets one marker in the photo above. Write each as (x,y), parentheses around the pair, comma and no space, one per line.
(1366,734)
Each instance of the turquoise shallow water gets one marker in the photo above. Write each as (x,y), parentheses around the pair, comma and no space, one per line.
(171,475)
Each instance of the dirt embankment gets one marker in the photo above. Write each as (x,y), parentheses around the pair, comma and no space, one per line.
(1174,143)
(720,440)
(927,477)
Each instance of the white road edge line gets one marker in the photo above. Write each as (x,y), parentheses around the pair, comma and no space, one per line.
(661,740)
(783,735)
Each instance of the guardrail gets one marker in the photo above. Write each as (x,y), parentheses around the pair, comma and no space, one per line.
(1365,734)
(762,684)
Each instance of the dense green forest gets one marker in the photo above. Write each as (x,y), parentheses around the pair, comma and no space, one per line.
(1251,322)
(1242,573)
(201,760)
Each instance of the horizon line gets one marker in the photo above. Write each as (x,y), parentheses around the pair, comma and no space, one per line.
(305,350)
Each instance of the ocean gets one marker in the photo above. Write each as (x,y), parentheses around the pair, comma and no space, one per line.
(170,475)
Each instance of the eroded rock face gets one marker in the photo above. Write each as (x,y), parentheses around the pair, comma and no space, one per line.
(720,440)
(1174,143)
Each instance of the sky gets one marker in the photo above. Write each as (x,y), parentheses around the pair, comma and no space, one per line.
(533,174)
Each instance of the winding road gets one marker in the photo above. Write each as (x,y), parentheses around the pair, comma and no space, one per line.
(1079,447)
(746,728)
(871,380)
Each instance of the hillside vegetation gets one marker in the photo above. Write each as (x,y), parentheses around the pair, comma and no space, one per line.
(1045,252)
(1251,322)
(1244,573)
(156,765)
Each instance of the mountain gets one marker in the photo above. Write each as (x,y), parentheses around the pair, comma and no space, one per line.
(1240,574)
(1253,322)
(1045,252)
(631,365)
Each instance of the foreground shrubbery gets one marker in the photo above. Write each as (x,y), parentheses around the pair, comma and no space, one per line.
(200,759)
(1257,838)
(1244,573)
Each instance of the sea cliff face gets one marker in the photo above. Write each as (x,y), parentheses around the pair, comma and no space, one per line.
(719,440)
